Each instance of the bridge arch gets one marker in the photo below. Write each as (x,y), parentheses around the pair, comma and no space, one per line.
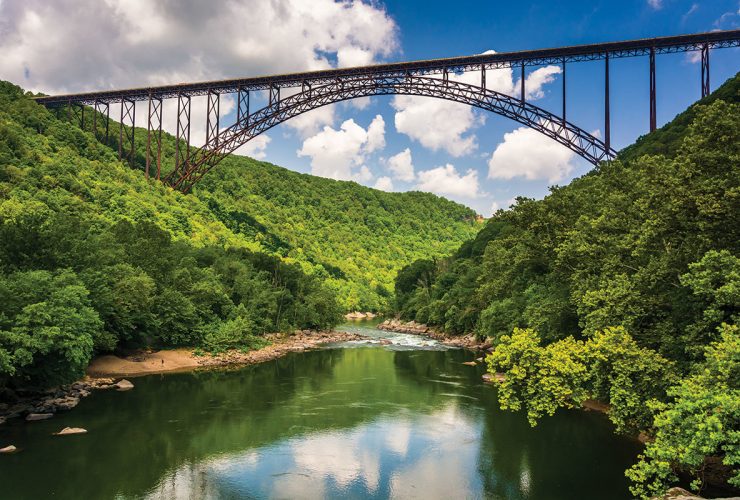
(278,111)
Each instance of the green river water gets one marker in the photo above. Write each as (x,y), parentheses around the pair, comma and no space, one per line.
(355,420)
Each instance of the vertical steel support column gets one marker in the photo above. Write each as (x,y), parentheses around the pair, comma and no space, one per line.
(182,152)
(242,105)
(154,129)
(275,95)
(653,114)
(705,90)
(69,111)
(445,76)
(564,94)
(126,134)
(483,76)
(607,118)
(523,97)
(82,117)
(212,117)
(98,107)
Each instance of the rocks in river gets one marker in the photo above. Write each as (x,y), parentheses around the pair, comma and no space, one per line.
(124,385)
(396,325)
(71,430)
(677,493)
(360,315)
(491,378)
(33,417)
(470,363)
(9,449)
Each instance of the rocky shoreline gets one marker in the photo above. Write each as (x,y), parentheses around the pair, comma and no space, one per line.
(414,328)
(44,405)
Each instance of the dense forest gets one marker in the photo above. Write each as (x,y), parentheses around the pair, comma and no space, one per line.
(94,258)
(624,287)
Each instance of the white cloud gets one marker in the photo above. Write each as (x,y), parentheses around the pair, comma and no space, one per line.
(437,124)
(499,204)
(255,147)
(384,184)
(655,4)
(143,43)
(447,181)
(340,154)
(528,153)
(401,166)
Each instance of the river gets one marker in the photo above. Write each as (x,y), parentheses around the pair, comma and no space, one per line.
(354,420)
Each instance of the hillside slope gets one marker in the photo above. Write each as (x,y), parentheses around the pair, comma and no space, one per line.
(353,237)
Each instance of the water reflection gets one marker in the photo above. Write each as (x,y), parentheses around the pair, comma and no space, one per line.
(360,423)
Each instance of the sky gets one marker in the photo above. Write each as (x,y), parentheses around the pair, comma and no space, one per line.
(394,143)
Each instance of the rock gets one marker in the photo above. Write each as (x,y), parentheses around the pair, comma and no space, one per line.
(677,493)
(487,378)
(124,385)
(9,449)
(470,363)
(66,403)
(490,378)
(2,420)
(385,342)
(71,430)
(33,417)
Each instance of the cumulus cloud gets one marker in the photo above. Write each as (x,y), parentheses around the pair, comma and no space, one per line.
(341,153)
(443,125)
(255,147)
(447,180)
(143,43)
(502,204)
(528,153)
(384,184)
(437,124)
(401,166)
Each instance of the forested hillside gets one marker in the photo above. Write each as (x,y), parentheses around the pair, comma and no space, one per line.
(623,286)
(351,237)
(93,257)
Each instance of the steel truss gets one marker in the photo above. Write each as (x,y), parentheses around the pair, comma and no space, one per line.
(182,136)
(541,57)
(101,108)
(126,151)
(154,135)
(276,112)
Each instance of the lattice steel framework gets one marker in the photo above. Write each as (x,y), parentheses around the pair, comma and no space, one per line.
(205,158)
(154,138)
(126,151)
(423,78)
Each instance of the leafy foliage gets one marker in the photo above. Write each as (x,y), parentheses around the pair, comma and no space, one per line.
(648,244)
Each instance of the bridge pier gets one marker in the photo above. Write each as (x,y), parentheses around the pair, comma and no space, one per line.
(564,119)
(98,107)
(212,116)
(275,96)
(523,94)
(126,131)
(154,130)
(242,105)
(705,90)
(653,107)
(182,151)
(607,107)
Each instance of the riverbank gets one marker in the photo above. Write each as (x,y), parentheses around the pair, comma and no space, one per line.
(412,327)
(104,370)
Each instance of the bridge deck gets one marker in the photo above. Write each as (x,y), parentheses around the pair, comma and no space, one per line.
(630,48)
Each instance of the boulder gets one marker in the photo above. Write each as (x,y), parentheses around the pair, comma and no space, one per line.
(469,363)
(9,449)
(71,430)
(33,417)
(124,385)
(676,493)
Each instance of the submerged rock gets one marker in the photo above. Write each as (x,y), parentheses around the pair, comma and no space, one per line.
(124,385)
(33,417)
(9,449)
(71,430)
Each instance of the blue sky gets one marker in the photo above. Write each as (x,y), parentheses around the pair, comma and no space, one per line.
(450,147)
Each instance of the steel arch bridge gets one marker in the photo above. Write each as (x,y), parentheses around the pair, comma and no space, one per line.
(420,78)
